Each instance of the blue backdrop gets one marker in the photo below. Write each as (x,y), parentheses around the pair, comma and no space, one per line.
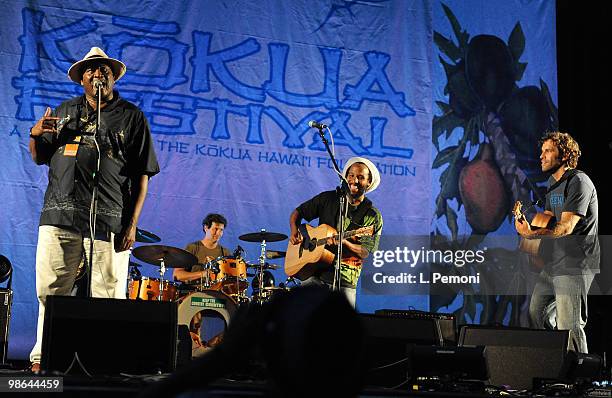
(228,88)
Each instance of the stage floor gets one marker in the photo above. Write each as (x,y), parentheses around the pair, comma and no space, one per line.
(133,386)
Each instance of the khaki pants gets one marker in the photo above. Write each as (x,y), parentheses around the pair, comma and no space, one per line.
(58,255)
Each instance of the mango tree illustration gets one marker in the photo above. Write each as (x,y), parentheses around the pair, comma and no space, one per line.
(503,123)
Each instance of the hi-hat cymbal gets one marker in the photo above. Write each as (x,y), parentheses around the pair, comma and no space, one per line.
(266,265)
(173,256)
(273,254)
(143,236)
(263,235)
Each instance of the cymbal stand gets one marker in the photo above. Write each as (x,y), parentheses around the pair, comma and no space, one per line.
(162,271)
(262,263)
(136,276)
(207,270)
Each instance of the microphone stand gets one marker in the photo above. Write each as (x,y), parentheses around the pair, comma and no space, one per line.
(94,198)
(341,213)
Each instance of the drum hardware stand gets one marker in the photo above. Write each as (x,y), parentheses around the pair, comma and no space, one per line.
(262,263)
(137,276)
(205,270)
(162,271)
(343,190)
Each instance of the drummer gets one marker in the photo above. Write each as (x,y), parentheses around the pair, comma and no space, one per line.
(205,249)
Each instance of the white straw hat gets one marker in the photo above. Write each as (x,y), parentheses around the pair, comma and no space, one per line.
(75,72)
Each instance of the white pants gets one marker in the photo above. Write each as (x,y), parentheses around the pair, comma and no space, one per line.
(58,255)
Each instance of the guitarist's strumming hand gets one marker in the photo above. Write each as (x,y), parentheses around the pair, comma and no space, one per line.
(520,222)
(296,236)
(294,221)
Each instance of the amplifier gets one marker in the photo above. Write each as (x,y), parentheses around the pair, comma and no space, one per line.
(445,323)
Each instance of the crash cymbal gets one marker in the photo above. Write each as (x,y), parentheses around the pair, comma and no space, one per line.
(173,256)
(263,235)
(143,236)
(273,254)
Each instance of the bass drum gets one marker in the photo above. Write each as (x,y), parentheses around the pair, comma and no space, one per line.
(207,315)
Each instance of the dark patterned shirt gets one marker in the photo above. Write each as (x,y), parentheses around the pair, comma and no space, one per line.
(127,153)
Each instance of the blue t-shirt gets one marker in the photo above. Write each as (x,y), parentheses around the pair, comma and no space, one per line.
(579,252)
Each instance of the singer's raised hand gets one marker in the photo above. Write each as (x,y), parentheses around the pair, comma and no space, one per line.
(46,124)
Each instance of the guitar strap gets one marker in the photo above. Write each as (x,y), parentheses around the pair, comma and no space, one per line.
(566,177)
(306,241)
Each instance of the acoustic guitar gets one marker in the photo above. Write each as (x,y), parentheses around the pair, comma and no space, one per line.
(533,247)
(303,259)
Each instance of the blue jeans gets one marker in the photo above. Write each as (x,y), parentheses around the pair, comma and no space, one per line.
(561,302)
(349,292)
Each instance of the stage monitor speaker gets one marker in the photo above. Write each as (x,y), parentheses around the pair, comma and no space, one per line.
(515,356)
(388,344)
(109,336)
(579,367)
(454,363)
(6,299)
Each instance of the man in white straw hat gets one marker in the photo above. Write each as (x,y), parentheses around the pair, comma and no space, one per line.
(67,141)
(362,177)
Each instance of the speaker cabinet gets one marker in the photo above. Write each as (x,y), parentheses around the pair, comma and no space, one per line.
(6,299)
(388,344)
(516,356)
(109,336)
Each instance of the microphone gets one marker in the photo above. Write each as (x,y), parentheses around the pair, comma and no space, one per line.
(344,186)
(97,83)
(316,125)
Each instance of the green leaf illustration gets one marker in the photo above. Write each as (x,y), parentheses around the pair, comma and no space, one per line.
(461,35)
(554,112)
(449,48)
(516,42)
(451,221)
(520,70)
(444,124)
(447,155)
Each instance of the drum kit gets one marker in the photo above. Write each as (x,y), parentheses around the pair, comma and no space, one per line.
(220,291)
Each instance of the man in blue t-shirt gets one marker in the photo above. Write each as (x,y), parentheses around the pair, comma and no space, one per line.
(571,242)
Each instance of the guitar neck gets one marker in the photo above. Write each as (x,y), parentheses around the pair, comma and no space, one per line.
(347,234)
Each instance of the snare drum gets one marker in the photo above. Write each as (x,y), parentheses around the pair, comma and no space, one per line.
(207,315)
(149,289)
(231,278)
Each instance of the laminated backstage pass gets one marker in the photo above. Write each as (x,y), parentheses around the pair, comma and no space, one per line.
(72,148)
